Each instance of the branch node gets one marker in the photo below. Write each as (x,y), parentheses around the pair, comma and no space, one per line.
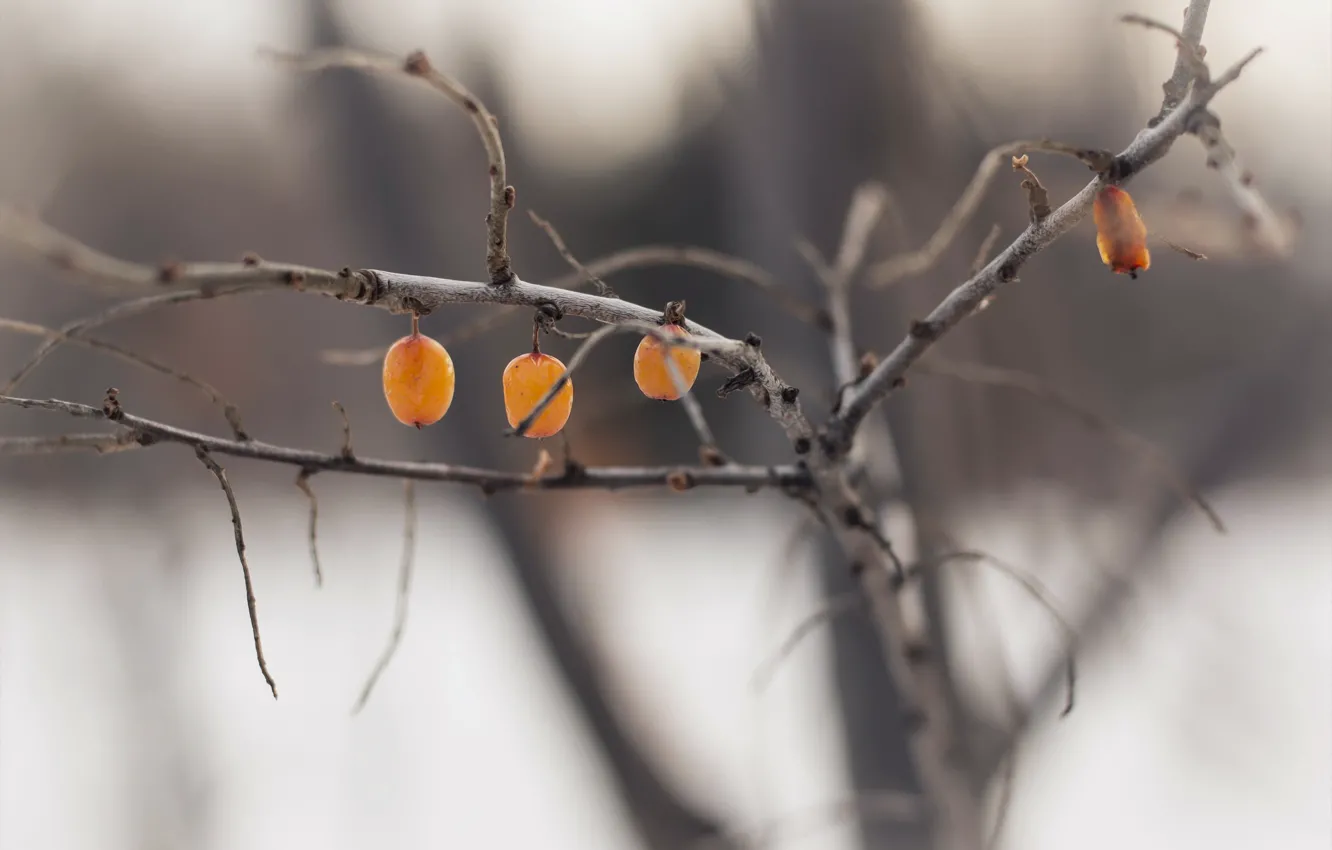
(111,408)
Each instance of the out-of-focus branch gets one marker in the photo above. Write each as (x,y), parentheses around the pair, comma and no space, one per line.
(1149,146)
(218,472)
(1160,463)
(147,432)
(229,410)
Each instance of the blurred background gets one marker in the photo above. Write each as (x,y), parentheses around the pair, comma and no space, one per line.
(577,669)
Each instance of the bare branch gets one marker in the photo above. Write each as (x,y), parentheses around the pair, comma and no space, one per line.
(76,329)
(1273,232)
(404,592)
(1149,146)
(416,65)
(207,460)
(789,477)
(1190,55)
(303,483)
(229,410)
(36,238)
(986,246)
(100,443)
(1157,460)
(416,295)
(921,260)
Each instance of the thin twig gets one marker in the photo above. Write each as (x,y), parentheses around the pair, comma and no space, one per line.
(789,477)
(1158,461)
(303,483)
(831,610)
(229,410)
(404,592)
(558,241)
(100,443)
(416,65)
(1273,233)
(1034,588)
(207,460)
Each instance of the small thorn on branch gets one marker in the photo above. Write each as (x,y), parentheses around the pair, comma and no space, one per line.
(207,460)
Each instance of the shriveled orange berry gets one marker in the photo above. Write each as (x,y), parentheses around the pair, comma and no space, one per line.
(527,379)
(418,380)
(1121,236)
(653,375)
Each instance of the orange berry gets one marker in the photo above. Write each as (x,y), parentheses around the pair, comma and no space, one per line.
(418,380)
(652,374)
(527,379)
(1121,236)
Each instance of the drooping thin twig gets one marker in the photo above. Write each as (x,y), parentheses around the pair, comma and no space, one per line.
(829,611)
(416,65)
(148,432)
(229,410)
(1158,461)
(1034,588)
(303,483)
(207,460)
(63,443)
(404,592)
(558,241)
(1149,146)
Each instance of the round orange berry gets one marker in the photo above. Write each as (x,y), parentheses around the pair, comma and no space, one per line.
(527,379)
(418,380)
(653,375)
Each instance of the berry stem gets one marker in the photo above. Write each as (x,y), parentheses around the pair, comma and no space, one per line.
(536,334)
(416,324)
(674,314)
